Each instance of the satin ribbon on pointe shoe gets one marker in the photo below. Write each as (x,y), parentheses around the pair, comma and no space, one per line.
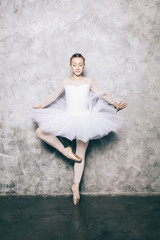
(75,191)
(69,154)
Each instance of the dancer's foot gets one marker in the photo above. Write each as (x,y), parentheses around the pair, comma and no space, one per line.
(69,154)
(75,191)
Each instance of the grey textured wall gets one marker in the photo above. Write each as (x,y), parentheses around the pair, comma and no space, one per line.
(121,43)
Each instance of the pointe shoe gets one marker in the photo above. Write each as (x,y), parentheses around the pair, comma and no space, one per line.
(69,154)
(75,191)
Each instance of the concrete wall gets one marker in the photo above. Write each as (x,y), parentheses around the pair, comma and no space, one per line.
(121,43)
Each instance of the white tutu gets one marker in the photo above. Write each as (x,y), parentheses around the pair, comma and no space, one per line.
(78,113)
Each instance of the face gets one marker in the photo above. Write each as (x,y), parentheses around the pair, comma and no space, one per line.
(77,65)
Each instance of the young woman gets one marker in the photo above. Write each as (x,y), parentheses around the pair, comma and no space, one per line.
(77,109)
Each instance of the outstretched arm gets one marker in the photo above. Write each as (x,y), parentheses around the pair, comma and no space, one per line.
(53,97)
(105,96)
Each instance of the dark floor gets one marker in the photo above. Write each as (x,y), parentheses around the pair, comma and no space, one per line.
(102,217)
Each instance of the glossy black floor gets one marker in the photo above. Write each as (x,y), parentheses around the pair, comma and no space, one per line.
(95,217)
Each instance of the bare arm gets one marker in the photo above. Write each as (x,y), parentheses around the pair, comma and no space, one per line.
(53,97)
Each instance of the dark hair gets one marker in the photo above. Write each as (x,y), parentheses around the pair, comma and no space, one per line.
(77,55)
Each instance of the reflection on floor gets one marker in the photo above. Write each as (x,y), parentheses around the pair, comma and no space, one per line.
(95,217)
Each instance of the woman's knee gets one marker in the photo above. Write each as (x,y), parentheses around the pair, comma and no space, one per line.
(39,132)
(81,147)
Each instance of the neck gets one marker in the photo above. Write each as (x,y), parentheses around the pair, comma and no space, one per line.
(76,78)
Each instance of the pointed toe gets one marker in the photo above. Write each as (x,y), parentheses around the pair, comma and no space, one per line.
(72,155)
(75,191)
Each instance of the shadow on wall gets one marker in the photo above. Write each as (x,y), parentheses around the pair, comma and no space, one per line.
(94,145)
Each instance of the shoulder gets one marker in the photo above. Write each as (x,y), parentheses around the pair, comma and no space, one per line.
(64,81)
(90,80)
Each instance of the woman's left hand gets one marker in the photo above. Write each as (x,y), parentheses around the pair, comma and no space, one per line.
(39,107)
(120,106)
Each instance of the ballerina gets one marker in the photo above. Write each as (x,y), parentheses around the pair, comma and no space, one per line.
(77,109)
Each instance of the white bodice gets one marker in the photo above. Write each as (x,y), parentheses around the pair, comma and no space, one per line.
(77,98)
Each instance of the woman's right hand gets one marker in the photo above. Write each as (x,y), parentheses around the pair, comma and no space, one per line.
(39,107)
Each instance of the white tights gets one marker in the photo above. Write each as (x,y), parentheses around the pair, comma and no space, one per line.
(81,148)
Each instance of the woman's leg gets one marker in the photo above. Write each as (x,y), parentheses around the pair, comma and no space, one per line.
(51,140)
(78,167)
(54,142)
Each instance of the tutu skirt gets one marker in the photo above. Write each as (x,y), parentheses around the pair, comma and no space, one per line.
(98,120)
